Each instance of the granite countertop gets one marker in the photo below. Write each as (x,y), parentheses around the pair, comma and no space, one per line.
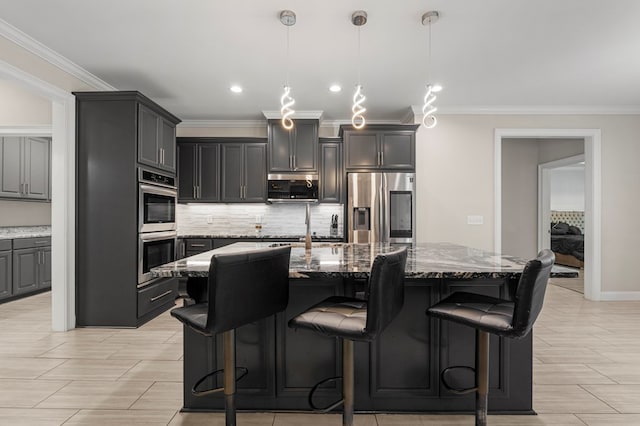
(328,260)
(12,232)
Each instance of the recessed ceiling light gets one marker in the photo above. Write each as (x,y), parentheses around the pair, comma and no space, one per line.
(436,88)
(236,89)
(335,88)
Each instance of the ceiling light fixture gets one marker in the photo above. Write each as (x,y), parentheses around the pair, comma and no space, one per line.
(288,18)
(428,109)
(335,88)
(358,18)
(236,89)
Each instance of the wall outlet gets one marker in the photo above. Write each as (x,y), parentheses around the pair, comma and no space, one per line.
(209,220)
(475,220)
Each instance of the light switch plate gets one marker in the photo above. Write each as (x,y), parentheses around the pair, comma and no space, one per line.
(475,220)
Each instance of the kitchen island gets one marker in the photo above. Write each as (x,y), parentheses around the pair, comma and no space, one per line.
(400,371)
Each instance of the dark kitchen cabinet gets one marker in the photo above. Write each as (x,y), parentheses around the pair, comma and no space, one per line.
(295,149)
(244,176)
(31,264)
(156,140)
(5,269)
(198,172)
(25,167)
(331,179)
(116,134)
(380,147)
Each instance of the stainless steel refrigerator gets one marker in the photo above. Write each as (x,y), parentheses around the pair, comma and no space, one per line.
(381,207)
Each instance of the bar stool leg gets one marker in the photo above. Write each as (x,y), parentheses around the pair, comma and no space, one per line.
(229,380)
(482,376)
(347,382)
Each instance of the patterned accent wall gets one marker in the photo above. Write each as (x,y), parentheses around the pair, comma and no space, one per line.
(240,219)
(573,218)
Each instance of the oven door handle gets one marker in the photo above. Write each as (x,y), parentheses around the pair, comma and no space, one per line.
(152,189)
(155,236)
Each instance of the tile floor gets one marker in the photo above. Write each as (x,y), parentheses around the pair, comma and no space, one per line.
(586,372)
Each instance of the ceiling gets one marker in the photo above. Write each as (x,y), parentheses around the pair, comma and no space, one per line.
(491,56)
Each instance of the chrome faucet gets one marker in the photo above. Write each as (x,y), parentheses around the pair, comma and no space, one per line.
(307,221)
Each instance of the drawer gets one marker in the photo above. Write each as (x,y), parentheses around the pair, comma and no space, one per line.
(157,295)
(5,245)
(199,244)
(21,243)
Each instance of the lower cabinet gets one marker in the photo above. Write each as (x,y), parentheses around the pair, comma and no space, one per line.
(5,269)
(157,295)
(31,265)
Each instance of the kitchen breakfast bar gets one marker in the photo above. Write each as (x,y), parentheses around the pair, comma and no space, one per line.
(400,371)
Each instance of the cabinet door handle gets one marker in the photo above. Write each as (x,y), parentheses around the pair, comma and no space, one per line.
(197,245)
(199,191)
(381,158)
(195,192)
(294,163)
(166,293)
(26,188)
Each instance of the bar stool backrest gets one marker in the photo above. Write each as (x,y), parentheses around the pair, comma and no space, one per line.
(530,292)
(248,286)
(386,290)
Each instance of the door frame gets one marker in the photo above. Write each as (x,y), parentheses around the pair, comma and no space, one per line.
(544,196)
(63,213)
(593,196)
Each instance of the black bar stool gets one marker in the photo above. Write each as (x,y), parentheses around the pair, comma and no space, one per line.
(353,319)
(488,315)
(243,288)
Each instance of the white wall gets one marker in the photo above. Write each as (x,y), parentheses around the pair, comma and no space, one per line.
(567,189)
(455,178)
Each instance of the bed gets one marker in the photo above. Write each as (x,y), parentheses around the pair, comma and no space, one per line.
(567,237)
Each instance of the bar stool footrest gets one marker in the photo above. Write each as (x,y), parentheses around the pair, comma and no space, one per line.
(202,392)
(332,405)
(457,391)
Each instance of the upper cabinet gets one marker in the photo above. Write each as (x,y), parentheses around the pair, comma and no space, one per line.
(331,179)
(294,150)
(156,140)
(198,172)
(380,147)
(25,167)
(243,173)
(228,170)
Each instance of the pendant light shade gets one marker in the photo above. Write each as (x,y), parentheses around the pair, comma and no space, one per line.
(288,19)
(429,120)
(358,18)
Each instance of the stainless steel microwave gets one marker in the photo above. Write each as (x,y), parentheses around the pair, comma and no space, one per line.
(292,187)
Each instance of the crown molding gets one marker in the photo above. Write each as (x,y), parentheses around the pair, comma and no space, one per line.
(222,123)
(533,110)
(29,130)
(27,42)
(300,115)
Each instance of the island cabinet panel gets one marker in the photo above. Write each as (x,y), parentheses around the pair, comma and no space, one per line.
(304,357)
(404,360)
(400,371)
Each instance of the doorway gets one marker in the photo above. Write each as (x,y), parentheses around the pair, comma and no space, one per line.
(592,196)
(62,191)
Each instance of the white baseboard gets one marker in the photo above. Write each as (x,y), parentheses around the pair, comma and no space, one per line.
(619,295)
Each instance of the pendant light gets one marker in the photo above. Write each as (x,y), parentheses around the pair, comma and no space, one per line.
(288,18)
(358,18)
(429,120)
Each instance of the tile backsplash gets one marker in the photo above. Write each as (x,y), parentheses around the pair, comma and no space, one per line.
(240,219)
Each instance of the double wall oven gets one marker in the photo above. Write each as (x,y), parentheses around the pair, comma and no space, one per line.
(157,198)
